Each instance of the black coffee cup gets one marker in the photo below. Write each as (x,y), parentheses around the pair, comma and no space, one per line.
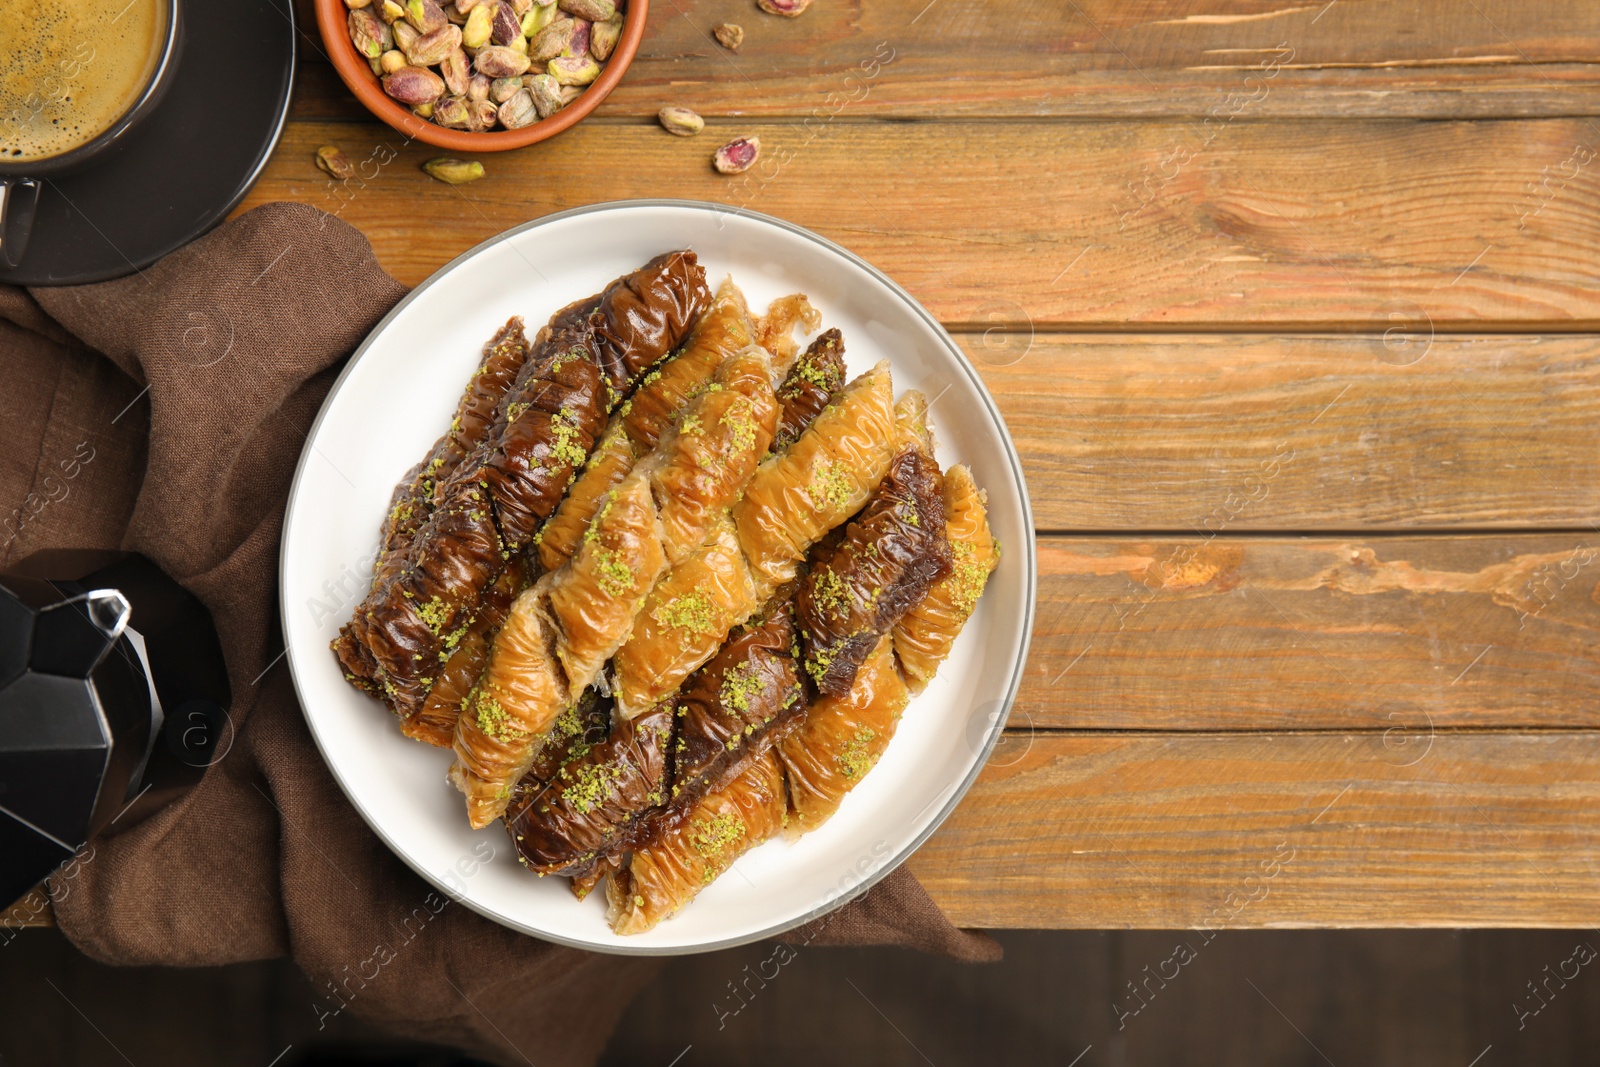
(20,179)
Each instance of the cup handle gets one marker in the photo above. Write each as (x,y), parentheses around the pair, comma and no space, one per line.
(19,199)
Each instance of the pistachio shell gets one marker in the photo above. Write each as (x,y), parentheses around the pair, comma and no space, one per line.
(413,85)
(454,171)
(498,61)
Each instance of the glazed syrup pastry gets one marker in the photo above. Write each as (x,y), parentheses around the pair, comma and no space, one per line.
(667,584)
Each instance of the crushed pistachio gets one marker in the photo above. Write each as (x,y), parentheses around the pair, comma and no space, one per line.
(714,836)
(492,718)
(615,577)
(834,484)
(967,578)
(853,759)
(692,613)
(739,685)
(591,786)
(829,592)
(434,614)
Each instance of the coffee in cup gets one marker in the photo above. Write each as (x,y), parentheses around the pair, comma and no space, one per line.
(84,66)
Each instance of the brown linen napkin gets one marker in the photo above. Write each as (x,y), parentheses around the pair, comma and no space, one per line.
(181,447)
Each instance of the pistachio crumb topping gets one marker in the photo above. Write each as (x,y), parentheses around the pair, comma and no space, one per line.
(853,759)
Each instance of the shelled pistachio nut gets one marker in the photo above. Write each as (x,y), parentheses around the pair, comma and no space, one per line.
(593,10)
(603,37)
(507,26)
(737,156)
(681,121)
(451,113)
(390,12)
(354,4)
(368,33)
(392,60)
(425,16)
(537,17)
(503,89)
(456,69)
(454,171)
(546,93)
(572,70)
(479,28)
(434,48)
(335,163)
(578,47)
(551,41)
(413,85)
(498,61)
(518,111)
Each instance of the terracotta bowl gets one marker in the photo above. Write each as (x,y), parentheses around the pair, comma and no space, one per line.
(354,71)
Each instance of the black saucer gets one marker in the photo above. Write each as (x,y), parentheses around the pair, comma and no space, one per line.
(185,166)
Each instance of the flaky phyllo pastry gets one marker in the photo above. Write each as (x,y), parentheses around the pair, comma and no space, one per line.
(667,584)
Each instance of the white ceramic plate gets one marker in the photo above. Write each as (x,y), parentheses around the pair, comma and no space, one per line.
(398,394)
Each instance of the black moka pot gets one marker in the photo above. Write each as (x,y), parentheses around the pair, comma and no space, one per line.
(113,699)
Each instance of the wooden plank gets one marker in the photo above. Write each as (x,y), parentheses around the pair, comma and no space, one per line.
(1275,224)
(1486,829)
(1214,433)
(1406,634)
(1105,58)
(31,910)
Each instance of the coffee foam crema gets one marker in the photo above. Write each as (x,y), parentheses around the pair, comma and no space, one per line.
(70,69)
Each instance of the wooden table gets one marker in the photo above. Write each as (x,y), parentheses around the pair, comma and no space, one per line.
(1292,311)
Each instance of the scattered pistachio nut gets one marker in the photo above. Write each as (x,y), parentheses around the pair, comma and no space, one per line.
(729,35)
(434,48)
(737,156)
(593,10)
(551,41)
(335,163)
(498,61)
(573,70)
(391,12)
(392,60)
(603,37)
(518,111)
(425,16)
(368,33)
(503,89)
(454,171)
(479,28)
(789,9)
(681,121)
(414,85)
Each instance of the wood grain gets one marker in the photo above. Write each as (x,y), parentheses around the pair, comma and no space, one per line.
(31,910)
(1484,829)
(1397,427)
(1405,635)
(1104,58)
(1275,224)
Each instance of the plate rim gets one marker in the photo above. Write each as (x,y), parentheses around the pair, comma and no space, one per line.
(1029,560)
